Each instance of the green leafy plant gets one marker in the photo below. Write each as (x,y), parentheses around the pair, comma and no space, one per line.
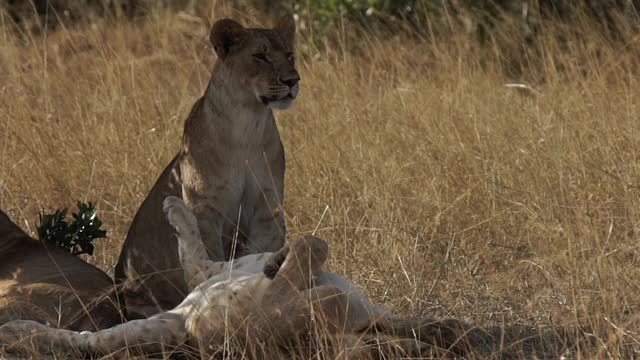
(75,236)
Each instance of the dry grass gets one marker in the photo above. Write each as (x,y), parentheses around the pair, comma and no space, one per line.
(441,192)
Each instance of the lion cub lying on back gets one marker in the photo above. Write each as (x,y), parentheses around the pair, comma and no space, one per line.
(229,171)
(268,301)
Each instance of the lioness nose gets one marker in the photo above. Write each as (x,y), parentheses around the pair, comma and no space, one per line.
(290,81)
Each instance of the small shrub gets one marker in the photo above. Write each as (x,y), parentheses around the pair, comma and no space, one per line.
(75,237)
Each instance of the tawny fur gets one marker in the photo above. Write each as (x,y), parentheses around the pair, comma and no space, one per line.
(239,301)
(50,285)
(229,171)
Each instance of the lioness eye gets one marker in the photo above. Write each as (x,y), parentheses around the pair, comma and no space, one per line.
(291,57)
(261,57)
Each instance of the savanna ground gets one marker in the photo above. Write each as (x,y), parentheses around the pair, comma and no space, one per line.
(442,193)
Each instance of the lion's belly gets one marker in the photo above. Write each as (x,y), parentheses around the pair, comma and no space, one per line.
(223,306)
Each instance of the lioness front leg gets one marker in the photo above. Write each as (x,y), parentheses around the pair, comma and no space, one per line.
(267,227)
(148,335)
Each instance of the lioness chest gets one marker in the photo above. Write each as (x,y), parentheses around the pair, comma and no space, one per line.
(241,193)
(234,185)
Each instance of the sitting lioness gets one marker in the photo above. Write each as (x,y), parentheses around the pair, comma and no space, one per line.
(279,301)
(229,171)
(49,285)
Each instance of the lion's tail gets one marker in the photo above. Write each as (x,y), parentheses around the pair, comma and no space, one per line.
(450,334)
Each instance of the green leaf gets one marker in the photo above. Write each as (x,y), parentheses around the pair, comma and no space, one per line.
(75,237)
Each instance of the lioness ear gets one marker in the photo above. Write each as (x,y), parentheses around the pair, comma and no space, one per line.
(225,34)
(287,28)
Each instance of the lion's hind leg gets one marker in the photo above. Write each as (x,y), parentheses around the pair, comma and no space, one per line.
(191,250)
(328,307)
(285,310)
(304,258)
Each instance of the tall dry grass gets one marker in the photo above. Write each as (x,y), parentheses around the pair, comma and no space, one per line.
(442,193)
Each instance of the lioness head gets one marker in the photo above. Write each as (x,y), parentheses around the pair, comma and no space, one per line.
(260,62)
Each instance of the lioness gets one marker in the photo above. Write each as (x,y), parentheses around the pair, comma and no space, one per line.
(267,301)
(50,285)
(229,171)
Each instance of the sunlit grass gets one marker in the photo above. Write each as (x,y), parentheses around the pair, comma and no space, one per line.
(444,193)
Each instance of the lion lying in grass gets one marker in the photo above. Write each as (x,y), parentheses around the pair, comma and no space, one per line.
(261,301)
(50,285)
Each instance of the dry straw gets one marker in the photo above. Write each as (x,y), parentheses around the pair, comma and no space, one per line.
(442,192)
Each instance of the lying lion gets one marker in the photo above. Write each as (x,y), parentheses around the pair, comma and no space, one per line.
(269,298)
(50,285)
